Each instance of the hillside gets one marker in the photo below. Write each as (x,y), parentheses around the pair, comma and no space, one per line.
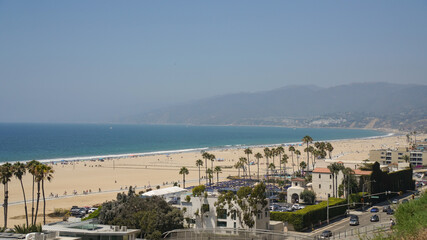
(371,105)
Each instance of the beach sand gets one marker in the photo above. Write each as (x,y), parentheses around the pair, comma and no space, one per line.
(162,170)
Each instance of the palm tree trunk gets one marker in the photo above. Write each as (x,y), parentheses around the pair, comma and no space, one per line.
(336,185)
(308,159)
(206,172)
(293,164)
(37,205)
(217,177)
(25,202)
(44,204)
(199,175)
(258,170)
(249,167)
(6,196)
(32,200)
(333,185)
(183,180)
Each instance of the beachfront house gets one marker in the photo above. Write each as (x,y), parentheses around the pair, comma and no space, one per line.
(90,230)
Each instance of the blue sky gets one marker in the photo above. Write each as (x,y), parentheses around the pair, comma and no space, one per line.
(94,61)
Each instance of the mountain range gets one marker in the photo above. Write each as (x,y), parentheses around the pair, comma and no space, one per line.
(369,105)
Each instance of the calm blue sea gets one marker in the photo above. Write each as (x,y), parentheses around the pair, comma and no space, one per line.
(20,142)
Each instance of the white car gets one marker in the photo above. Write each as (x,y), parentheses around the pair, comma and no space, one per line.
(91,210)
(296,206)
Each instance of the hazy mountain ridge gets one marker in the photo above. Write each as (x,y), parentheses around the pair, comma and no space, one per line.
(355,105)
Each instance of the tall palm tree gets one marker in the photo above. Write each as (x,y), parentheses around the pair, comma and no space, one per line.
(272,167)
(19,171)
(258,156)
(6,173)
(331,168)
(303,165)
(238,166)
(38,177)
(273,153)
(206,156)
(247,152)
(210,175)
(307,139)
(47,174)
(280,150)
(199,163)
(339,167)
(284,161)
(217,170)
(347,172)
(267,154)
(243,161)
(298,153)
(212,158)
(315,153)
(183,171)
(329,148)
(31,166)
(292,150)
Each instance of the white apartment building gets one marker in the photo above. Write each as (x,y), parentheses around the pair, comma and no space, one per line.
(323,182)
(200,212)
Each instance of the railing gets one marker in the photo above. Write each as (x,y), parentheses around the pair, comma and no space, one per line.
(360,233)
(230,233)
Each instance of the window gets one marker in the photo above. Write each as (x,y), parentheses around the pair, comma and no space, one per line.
(319,176)
(266,212)
(296,184)
(221,224)
(330,176)
(330,186)
(222,214)
(320,186)
(235,225)
(233,215)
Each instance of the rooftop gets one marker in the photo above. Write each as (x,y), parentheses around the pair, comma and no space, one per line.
(164,191)
(89,227)
(356,171)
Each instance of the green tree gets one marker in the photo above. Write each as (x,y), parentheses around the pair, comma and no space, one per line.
(258,156)
(308,196)
(267,154)
(206,156)
(46,174)
(284,160)
(303,165)
(19,171)
(307,139)
(31,166)
(334,171)
(298,153)
(247,152)
(272,167)
(217,170)
(329,148)
(6,173)
(406,158)
(183,171)
(238,166)
(210,175)
(292,150)
(243,161)
(199,163)
(280,150)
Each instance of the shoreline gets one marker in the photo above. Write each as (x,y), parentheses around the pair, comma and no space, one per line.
(192,150)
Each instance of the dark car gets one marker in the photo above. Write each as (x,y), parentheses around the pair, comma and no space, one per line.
(390,212)
(386,208)
(375,218)
(326,234)
(375,209)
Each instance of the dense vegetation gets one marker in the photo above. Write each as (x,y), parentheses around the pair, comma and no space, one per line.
(310,215)
(152,215)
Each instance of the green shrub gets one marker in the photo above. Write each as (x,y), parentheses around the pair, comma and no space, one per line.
(95,214)
(304,218)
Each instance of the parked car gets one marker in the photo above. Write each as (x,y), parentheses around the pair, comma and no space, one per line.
(375,218)
(285,209)
(386,208)
(354,220)
(326,234)
(91,210)
(390,212)
(296,206)
(395,201)
(274,207)
(375,209)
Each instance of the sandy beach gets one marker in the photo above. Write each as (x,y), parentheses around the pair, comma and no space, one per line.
(158,170)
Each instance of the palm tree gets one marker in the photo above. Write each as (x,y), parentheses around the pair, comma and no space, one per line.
(303,165)
(19,171)
(280,150)
(298,153)
(307,139)
(31,166)
(212,158)
(267,154)
(339,167)
(258,156)
(247,152)
(206,156)
(330,148)
(217,170)
(273,153)
(406,158)
(38,177)
(272,167)
(315,153)
(47,174)
(183,171)
(347,172)
(199,163)
(292,150)
(243,161)
(6,173)
(210,175)
(331,168)
(238,166)
(284,161)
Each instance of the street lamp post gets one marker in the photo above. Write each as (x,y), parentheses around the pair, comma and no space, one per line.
(327,209)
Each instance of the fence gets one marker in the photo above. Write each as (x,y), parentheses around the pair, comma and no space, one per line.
(360,233)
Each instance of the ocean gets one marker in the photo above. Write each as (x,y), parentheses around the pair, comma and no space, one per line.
(55,142)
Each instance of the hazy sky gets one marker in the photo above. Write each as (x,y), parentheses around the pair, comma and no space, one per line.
(70,61)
